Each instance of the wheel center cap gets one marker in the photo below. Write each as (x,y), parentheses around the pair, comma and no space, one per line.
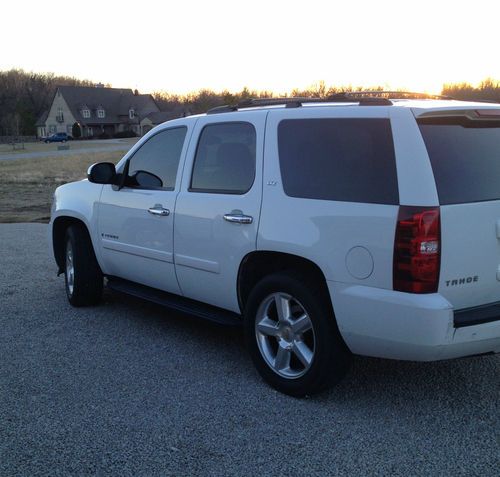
(287,334)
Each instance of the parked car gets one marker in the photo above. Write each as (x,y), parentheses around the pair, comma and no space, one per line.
(365,224)
(58,137)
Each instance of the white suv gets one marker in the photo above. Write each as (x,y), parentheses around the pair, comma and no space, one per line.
(366,225)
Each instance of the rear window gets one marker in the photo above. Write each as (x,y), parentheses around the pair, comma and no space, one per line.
(344,159)
(465,158)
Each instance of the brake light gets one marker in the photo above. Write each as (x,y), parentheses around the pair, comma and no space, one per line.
(417,248)
(488,113)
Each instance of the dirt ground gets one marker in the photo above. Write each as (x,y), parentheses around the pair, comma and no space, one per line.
(27,185)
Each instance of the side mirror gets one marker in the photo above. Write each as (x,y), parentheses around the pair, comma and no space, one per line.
(102,173)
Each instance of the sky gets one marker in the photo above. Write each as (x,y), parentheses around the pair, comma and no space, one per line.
(276,45)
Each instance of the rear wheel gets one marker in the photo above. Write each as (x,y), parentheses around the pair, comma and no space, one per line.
(83,276)
(292,336)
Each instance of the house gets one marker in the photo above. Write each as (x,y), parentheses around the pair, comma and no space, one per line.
(95,111)
(154,119)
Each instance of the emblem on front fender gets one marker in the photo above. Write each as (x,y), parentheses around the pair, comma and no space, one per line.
(110,236)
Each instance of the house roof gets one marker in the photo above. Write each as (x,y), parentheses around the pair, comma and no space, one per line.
(162,116)
(116,103)
(42,119)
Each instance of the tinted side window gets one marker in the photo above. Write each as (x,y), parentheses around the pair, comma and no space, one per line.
(465,158)
(225,159)
(160,155)
(338,159)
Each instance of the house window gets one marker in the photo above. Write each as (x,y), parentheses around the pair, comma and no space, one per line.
(131,113)
(52,129)
(101,113)
(86,112)
(60,115)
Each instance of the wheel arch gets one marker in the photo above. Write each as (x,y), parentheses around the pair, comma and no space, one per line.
(259,264)
(59,227)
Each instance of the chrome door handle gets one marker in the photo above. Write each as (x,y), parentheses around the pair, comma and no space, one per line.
(159,210)
(238,218)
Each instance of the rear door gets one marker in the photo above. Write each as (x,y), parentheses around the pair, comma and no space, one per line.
(218,207)
(464,150)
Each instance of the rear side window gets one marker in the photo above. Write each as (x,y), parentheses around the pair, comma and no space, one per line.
(225,159)
(465,158)
(344,159)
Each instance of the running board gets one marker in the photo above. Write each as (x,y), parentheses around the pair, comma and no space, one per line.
(175,302)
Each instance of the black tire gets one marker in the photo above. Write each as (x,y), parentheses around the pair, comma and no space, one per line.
(330,356)
(84,281)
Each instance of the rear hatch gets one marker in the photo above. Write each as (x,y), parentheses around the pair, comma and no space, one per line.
(464,150)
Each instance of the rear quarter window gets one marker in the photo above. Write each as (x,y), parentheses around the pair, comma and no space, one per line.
(342,159)
(465,158)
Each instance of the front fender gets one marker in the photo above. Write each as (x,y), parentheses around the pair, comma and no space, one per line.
(78,201)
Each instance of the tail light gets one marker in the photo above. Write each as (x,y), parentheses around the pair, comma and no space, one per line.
(417,248)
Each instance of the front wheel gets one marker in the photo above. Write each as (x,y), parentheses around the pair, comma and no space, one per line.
(83,276)
(292,336)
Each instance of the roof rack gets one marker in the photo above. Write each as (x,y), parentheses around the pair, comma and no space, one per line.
(396,95)
(364,98)
(256,102)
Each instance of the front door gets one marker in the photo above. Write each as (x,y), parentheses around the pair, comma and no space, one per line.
(136,222)
(218,208)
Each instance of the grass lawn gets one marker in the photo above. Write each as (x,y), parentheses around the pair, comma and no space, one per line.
(42,147)
(27,185)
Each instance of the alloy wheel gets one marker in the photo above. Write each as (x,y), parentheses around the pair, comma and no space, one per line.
(70,268)
(285,335)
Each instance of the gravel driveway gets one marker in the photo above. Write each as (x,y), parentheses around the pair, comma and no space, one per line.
(127,388)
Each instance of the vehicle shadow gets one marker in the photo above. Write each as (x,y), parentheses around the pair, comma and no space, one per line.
(143,312)
(460,384)
(369,380)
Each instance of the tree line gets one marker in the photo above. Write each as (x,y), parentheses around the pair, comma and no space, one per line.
(488,90)
(24,96)
(200,101)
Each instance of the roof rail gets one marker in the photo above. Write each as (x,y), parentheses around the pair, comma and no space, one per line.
(297,102)
(256,102)
(396,95)
(364,98)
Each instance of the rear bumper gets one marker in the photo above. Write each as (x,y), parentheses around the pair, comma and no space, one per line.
(390,324)
(477,315)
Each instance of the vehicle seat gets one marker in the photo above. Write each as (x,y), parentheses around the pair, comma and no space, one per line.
(236,165)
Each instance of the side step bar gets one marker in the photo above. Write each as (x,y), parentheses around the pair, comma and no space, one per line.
(175,302)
